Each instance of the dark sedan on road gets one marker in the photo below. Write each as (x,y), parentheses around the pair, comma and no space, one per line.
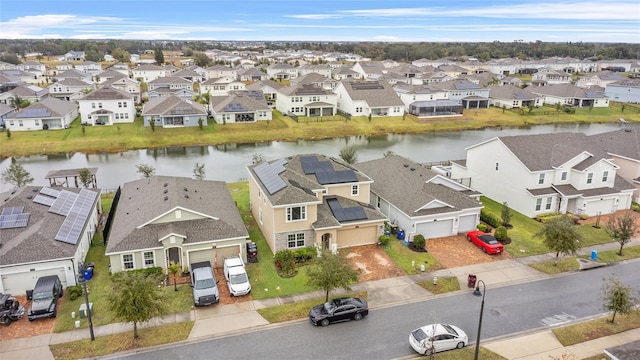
(336,310)
(485,241)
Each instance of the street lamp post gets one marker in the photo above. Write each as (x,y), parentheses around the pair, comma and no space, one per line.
(83,281)
(477,292)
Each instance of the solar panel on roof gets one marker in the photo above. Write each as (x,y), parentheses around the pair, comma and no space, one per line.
(12,210)
(466,86)
(346,214)
(269,177)
(521,96)
(71,229)
(44,200)
(592,94)
(63,203)
(336,177)
(31,113)
(16,220)
(49,191)
(366,86)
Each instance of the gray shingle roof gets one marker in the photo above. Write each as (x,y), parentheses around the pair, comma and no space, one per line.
(405,184)
(383,96)
(56,107)
(625,142)
(107,93)
(142,201)
(165,105)
(37,241)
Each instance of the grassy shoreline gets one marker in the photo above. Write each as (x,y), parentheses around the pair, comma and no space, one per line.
(121,137)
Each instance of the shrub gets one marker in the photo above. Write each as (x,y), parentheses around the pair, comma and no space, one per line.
(383,240)
(500,233)
(483,227)
(635,206)
(543,218)
(285,262)
(584,217)
(304,254)
(489,218)
(74,292)
(418,241)
(152,271)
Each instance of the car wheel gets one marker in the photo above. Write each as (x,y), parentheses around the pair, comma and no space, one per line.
(468,238)
(6,321)
(357,317)
(484,250)
(324,322)
(460,345)
(427,352)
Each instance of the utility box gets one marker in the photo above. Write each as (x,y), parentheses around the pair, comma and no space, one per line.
(83,310)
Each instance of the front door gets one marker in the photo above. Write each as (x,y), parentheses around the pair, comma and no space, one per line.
(326,241)
(173,254)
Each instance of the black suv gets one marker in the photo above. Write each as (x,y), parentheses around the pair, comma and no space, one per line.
(44,297)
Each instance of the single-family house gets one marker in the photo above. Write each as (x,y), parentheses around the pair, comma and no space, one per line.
(543,173)
(419,200)
(5,112)
(89,67)
(269,89)
(8,81)
(315,79)
(74,74)
(148,72)
(550,77)
(220,71)
(367,69)
(59,68)
(47,114)
(427,101)
(622,147)
(45,231)
(70,89)
(624,91)
(32,93)
(107,106)
(121,68)
(453,70)
(165,219)
(126,84)
(170,86)
(601,78)
(313,200)
(37,69)
(173,111)
(472,96)
(344,73)
(221,86)
(306,100)
(570,95)
(322,69)
(252,74)
(282,71)
(190,75)
(368,98)
(72,56)
(240,107)
(509,96)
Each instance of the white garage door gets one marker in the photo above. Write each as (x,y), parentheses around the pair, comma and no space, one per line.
(19,283)
(600,206)
(202,255)
(225,252)
(467,223)
(434,229)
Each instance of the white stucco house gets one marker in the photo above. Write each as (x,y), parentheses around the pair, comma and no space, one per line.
(148,72)
(173,111)
(107,106)
(306,100)
(47,114)
(40,236)
(241,107)
(535,174)
(364,98)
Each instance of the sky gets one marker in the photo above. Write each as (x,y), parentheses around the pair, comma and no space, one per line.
(324,20)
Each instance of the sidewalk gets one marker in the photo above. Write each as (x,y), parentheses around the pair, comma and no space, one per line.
(210,322)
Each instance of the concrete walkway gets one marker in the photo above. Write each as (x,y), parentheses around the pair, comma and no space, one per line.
(211,321)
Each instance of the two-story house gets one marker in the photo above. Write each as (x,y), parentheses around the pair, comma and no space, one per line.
(306,100)
(550,77)
(282,71)
(171,86)
(126,84)
(221,86)
(148,72)
(561,172)
(470,95)
(241,107)
(368,98)
(427,101)
(89,67)
(70,89)
(313,200)
(107,106)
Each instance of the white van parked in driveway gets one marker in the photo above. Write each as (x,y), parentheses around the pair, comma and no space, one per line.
(236,276)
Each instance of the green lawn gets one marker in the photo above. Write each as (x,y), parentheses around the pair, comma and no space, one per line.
(443,285)
(589,330)
(523,234)
(405,257)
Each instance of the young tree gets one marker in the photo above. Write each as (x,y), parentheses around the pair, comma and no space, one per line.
(8,133)
(257,158)
(505,214)
(198,171)
(559,234)
(152,125)
(16,175)
(388,153)
(617,297)
(85,177)
(622,227)
(331,271)
(201,123)
(158,56)
(145,170)
(174,269)
(18,103)
(349,154)
(136,298)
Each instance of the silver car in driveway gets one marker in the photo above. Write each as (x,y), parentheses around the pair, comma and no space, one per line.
(434,338)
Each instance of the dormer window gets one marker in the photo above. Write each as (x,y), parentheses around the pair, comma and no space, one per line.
(563,176)
(605,176)
(541,179)
(355,190)
(589,178)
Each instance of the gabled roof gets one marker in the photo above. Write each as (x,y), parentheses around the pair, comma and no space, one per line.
(259,85)
(624,142)
(457,85)
(169,80)
(304,90)
(35,242)
(71,82)
(172,105)
(143,201)
(375,93)
(509,92)
(566,91)
(72,73)
(239,101)
(27,90)
(148,67)
(49,106)
(409,186)
(107,93)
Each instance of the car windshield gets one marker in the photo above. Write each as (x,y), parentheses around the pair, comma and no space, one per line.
(489,239)
(329,306)
(204,284)
(450,330)
(42,295)
(419,334)
(238,279)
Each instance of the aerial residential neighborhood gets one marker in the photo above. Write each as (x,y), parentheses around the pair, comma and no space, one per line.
(529,197)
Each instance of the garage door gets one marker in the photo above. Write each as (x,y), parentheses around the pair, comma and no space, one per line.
(202,255)
(360,236)
(434,229)
(19,283)
(467,223)
(600,206)
(225,252)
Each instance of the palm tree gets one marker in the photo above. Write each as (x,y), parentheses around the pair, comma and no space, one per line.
(18,103)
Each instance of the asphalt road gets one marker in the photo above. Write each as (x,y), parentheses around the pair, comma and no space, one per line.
(384,333)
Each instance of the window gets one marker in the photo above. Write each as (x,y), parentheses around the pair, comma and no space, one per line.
(37,122)
(497,165)
(378,201)
(547,205)
(538,204)
(119,104)
(100,105)
(20,123)
(127,261)
(124,104)
(295,240)
(605,175)
(260,214)
(149,259)
(93,105)
(355,189)
(295,213)
(563,176)
(589,178)
(541,179)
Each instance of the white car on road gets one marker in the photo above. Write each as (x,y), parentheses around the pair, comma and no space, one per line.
(434,338)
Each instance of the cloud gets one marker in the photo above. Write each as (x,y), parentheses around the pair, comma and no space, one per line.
(315,16)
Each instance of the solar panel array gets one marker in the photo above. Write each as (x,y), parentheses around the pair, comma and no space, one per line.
(80,210)
(466,86)
(49,191)
(12,217)
(269,175)
(366,86)
(324,171)
(63,203)
(32,113)
(521,96)
(593,94)
(44,200)
(346,214)
(256,94)
(235,107)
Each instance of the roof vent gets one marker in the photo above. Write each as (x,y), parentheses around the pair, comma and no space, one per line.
(185,189)
(413,169)
(186,196)
(166,198)
(34,190)
(166,191)
(166,184)
(29,197)
(406,165)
